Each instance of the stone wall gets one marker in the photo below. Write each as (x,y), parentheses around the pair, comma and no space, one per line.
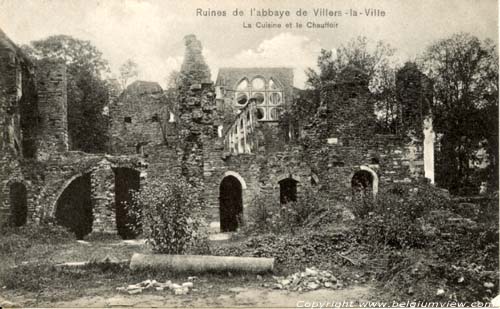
(16,92)
(51,87)
(157,137)
(141,118)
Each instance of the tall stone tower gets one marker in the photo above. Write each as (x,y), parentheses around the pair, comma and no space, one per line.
(52,104)
(348,108)
(196,110)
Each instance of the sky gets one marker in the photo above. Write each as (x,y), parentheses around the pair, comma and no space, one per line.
(150,32)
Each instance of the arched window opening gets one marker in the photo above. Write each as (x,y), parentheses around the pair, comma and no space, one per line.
(18,204)
(230,204)
(260,113)
(243,85)
(362,185)
(127,181)
(314,180)
(219,130)
(273,85)
(288,190)
(74,207)
(258,83)
(139,149)
(242,98)
(275,98)
(171,118)
(259,98)
(274,114)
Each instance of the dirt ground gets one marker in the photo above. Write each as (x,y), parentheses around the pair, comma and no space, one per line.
(233,297)
(77,288)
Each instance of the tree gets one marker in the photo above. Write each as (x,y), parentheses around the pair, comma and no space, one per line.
(358,52)
(386,104)
(173,80)
(79,55)
(464,72)
(87,91)
(128,70)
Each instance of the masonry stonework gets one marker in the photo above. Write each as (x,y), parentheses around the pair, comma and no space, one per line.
(228,132)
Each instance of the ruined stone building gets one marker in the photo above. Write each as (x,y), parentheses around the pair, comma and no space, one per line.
(224,138)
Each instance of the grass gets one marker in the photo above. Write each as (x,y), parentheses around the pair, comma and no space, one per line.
(30,258)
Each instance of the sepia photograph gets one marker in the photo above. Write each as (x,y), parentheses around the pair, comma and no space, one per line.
(236,153)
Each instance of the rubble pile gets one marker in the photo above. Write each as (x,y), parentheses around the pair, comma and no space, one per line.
(178,289)
(308,280)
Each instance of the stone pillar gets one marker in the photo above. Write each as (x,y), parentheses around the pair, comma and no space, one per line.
(103,205)
(429,149)
(51,88)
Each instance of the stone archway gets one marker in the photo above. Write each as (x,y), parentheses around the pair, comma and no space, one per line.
(127,181)
(74,206)
(230,203)
(18,204)
(288,190)
(364,182)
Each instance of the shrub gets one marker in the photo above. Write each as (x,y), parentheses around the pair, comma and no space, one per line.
(266,214)
(398,217)
(429,246)
(169,215)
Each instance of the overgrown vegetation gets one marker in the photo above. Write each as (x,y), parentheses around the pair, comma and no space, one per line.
(429,246)
(414,240)
(16,240)
(268,215)
(455,80)
(170,216)
(464,72)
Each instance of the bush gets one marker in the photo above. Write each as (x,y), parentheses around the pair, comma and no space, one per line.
(266,214)
(418,274)
(169,216)
(397,218)
(428,246)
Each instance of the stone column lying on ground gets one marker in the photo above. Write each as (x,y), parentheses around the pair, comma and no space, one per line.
(201,263)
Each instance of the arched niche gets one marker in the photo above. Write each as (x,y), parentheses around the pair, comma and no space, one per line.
(364,182)
(18,203)
(73,208)
(230,203)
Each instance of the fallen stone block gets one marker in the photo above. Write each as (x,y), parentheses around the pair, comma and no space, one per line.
(135,291)
(175,286)
(72,264)
(181,291)
(7,304)
(134,287)
(187,284)
(201,263)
